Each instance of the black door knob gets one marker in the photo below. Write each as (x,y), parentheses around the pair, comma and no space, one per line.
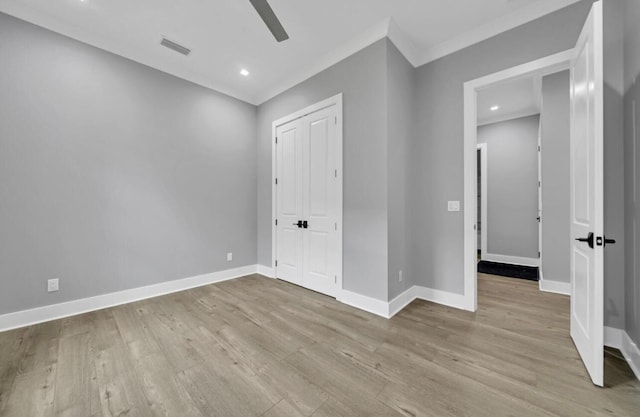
(588,240)
(299,224)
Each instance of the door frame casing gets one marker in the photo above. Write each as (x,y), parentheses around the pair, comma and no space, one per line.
(547,65)
(329,102)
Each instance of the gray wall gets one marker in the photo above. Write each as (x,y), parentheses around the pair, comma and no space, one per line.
(632,166)
(512,186)
(400,92)
(114,175)
(437,148)
(555,136)
(362,78)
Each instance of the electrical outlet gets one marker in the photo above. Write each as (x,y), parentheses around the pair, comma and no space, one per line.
(53,285)
(229,256)
(400,277)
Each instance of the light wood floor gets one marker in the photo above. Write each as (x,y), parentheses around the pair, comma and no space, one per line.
(260,347)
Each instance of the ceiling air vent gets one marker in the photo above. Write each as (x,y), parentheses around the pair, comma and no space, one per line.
(174,46)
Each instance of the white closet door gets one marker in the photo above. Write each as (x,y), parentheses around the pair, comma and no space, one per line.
(290,168)
(320,201)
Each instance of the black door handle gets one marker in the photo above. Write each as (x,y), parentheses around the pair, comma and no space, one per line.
(588,240)
(305,224)
(299,224)
(600,241)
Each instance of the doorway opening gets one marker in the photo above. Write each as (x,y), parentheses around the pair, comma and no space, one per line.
(473,90)
(509,132)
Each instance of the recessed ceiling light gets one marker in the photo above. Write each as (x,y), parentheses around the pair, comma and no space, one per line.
(244,72)
(494,108)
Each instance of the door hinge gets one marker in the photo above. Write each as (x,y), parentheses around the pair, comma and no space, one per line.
(336,173)
(276,263)
(538,254)
(276,140)
(276,222)
(336,226)
(336,119)
(538,148)
(276,181)
(335,279)
(539,184)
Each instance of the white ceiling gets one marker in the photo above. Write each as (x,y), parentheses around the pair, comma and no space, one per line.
(228,35)
(516,98)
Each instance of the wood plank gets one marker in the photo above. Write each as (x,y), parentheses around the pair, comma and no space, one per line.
(166,395)
(73,383)
(33,394)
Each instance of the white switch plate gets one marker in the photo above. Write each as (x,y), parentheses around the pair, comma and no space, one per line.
(454,205)
(229,256)
(53,285)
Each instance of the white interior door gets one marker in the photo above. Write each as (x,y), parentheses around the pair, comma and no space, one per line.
(289,178)
(587,205)
(308,247)
(320,202)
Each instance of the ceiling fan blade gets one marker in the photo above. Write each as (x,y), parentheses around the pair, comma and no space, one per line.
(270,19)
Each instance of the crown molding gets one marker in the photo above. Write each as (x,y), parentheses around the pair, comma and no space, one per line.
(517,18)
(385,28)
(370,36)
(507,117)
(389,28)
(403,43)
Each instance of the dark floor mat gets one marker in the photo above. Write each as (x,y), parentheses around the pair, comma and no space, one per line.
(507,270)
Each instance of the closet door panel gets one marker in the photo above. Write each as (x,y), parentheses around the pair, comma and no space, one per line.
(319,132)
(290,167)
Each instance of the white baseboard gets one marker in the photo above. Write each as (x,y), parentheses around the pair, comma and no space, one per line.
(266,271)
(631,353)
(514,260)
(401,301)
(393,307)
(71,308)
(619,339)
(446,298)
(556,287)
(362,302)
(613,337)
